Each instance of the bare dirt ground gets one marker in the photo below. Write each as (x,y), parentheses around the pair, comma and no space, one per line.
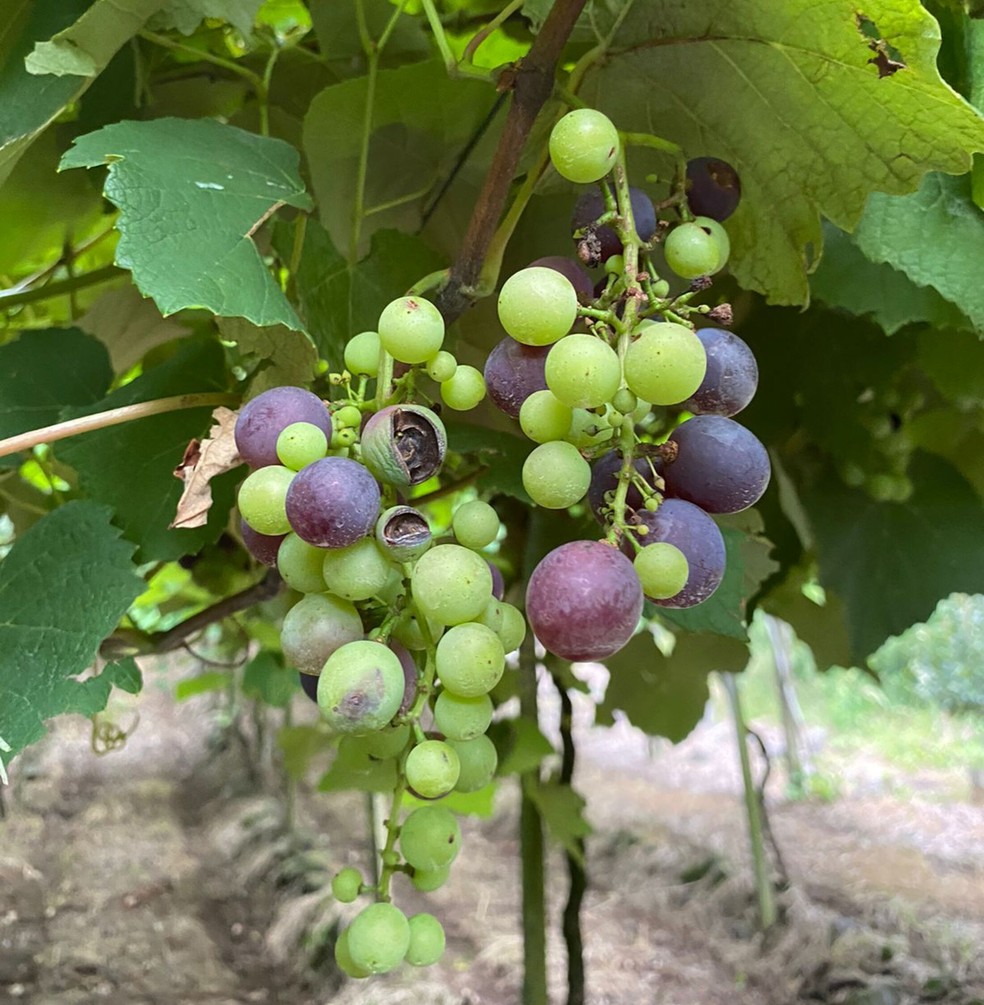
(160,875)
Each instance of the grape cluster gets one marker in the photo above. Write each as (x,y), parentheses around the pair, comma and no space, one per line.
(590,377)
(398,637)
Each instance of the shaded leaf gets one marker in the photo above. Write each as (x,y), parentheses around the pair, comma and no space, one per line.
(280,356)
(186,15)
(502,454)
(191,195)
(267,679)
(353,768)
(520,746)
(63,588)
(562,810)
(203,683)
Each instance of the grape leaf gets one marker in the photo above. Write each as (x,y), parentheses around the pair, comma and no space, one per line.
(800,100)
(666,695)
(266,679)
(45,371)
(280,356)
(414,143)
(84,48)
(299,744)
(63,588)
(520,746)
(502,455)
(186,15)
(337,28)
(846,278)
(562,810)
(353,768)
(891,562)
(202,683)
(338,301)
(191,195)
(131,466)
(934,236)
(28,103)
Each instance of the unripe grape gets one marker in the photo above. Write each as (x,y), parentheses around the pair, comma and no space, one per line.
(556,475)
(665,363)
(588,429)
(513,629)
(432,769)
(357,572)
(301,443)
(362,354)
(300,564)
(470,660)
(584,146)
(343,958)
(426,941)
(428,880)
(475,524)
(411,329)
(662,569)
(544,417)
(537,306)
(464,389)
(691,251)
(430,838)
(720,238)
(477,760)
(361,687)
(315,627)
(345,885)
(347,417)
(378,938)
(262,499)
(462,718)
(442,367)
(386,742)
(451,584)
(583,371)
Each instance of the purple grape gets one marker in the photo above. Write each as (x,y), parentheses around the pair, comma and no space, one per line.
(731,378)
(690,529)
(309,683)
(604,478)
(498,583)
(591,205)
(333,502)
(584,600)
(571,270)
(513,371)
(720,466)
(713,188)
(264,418)
(409,676)
(263,547)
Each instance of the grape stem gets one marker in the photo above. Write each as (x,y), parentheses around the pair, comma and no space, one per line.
(112,417)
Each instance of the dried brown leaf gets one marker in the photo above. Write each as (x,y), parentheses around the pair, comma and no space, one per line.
(204,460)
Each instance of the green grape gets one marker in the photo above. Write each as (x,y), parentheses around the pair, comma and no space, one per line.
(537,306)
(584,146)
(583,371)
(343,958)
(432,769)
(344,437)
(315,627)
(408,632)
(428,880)
(378,938)
(357,572)
(491,617)
(464,390)
(347,417)
(661,288)
(588,429)
(665,364)
(720,236)
(625,401)
(691,251)
(361,687)
(362,354)
(386,742)
(478,760)
(556,475)
(346,884)
(615,265)
(301,443)
(300,565)
(426,941)
(442,367)
(513,629)
(451,584)
(262,499)
(462,718)
(411,329)
(475,524)
(544,417)
(662,569)
(470,660)
(430,838)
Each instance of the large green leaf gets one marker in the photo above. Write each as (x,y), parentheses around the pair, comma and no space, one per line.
(45,371)
(420,121)
(280,356)
(191,195)
(666,695)
(935,237)
(131,467)
(63,588)
(847,278)
(28,103)
(891,562)
(187,15)
(792,96)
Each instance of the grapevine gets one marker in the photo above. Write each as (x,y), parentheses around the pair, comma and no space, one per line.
(401,635)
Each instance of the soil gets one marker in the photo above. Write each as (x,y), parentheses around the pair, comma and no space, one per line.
(162,874)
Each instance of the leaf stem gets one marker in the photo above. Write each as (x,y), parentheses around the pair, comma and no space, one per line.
(254,79)
(468,56)
(112,417)
(60,287)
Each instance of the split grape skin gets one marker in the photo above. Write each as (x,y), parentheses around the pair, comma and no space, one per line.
(720,466)
(584,601)
(690,529)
